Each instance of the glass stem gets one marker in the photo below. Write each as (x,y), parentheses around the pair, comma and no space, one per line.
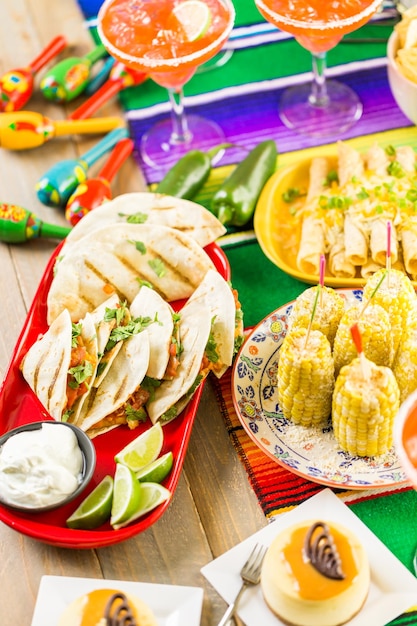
(180,131)
(318,96)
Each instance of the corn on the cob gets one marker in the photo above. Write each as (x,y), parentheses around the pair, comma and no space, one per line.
(396,295)
(330,307)
(405,363)
(305,377)
(375,328)
(365,401)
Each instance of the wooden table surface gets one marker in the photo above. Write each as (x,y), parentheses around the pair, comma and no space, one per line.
(213,507)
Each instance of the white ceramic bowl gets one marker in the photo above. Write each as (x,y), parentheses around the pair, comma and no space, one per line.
(403,90)
(88,464)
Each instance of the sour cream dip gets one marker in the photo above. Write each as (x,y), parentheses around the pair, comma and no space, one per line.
(40,467)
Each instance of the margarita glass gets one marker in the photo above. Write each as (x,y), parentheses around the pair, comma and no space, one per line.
(323,107)
(405,441)
(169,40)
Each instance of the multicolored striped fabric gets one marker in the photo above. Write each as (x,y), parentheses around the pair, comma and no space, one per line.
(242,97)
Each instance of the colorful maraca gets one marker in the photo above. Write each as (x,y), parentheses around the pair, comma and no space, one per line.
(16,86)
(21,130)
(68,78)
(18,225)
(120,78)
(60,181)
(100,77)
(94,191)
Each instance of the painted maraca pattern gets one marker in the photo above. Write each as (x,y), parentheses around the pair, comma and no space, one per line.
(18,225)
(16,86)
(56,186)
(94,191)
(21,130)
(120,78)
(66,80)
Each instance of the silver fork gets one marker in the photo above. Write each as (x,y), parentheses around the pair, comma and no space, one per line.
(250,575)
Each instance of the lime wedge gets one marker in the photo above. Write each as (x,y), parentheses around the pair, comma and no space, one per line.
(95,509)
(151,495)
(126,494)
(156,472)
(142,450)
(194,17)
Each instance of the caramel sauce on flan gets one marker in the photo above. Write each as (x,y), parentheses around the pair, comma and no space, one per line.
(98,605)
(310,583)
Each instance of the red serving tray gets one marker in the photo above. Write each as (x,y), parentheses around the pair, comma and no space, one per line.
(19,405)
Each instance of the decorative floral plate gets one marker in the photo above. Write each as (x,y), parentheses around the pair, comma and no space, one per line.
(309,452)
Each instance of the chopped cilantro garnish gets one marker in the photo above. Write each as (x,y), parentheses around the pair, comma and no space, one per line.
(390,151)
(76,332)
(138,415)
(139,245)
(133,327)
(135,218)
(157,265)
(80,373)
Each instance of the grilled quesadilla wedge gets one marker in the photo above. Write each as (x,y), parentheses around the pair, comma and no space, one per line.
(118,259)
(227,320)
(61,365)
(195,326)
(164,336)
(119,398)
(150,208)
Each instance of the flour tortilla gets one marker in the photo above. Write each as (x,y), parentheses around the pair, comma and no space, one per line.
(195,328)
(122,379)
(46,364)
(116,258)
(215,294)
(151,208)
(150,304)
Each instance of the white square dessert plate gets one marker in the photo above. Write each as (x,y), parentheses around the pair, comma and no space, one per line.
(173,605)
(393,588)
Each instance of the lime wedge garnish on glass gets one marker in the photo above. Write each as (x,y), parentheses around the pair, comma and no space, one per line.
(126,495)
(194,17)
(151,495)
(95,509)
(142,450)
(156,472)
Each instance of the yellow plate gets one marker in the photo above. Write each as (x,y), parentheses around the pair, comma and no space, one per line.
(278,232)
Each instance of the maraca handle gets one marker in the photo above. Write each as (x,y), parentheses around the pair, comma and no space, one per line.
(103,146)
(118,156)
(100,77)
(49,52)
(95,125)
(95,54)
(90,106)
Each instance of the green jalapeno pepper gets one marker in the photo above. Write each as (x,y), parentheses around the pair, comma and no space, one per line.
(188,174)
(235,201)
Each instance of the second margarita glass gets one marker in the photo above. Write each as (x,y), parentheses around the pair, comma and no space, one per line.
(169,40)
(321,108)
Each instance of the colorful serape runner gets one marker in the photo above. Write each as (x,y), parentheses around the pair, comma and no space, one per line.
(242,97)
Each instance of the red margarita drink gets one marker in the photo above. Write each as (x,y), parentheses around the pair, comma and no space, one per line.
(405,437)
(162,38)
(318,25)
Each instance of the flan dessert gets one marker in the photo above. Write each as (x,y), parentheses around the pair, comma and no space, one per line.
(315,573)
(107,607)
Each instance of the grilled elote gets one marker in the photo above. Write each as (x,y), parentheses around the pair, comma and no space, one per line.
(396,295)
(405,363)
(305,377)
(329,310)
(375,328)
(365,401)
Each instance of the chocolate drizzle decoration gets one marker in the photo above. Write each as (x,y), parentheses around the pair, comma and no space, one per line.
(322,552)
(118,611)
